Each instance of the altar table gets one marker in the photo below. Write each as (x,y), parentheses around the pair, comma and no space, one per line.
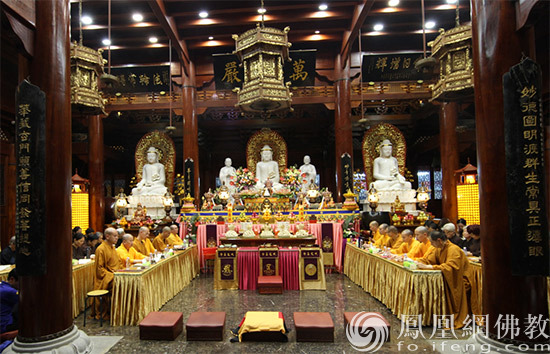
(314,229)
(136,293)
(82,283)
(403,291)
(274,241)
(248,263)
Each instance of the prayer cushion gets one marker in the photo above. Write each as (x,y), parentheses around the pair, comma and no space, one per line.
(262,326)
(205,326)
(314,327)
(367,320)
(270,284)
(161,326)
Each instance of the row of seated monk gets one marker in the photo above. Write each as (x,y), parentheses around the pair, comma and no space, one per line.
(418,245)
(435,249)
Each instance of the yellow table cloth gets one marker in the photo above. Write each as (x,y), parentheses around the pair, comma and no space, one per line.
(403,291)
(137,293)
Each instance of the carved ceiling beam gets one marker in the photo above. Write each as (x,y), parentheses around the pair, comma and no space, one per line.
(359,15)
(169,26)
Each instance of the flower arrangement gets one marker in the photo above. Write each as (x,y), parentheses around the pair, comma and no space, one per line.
(243,179)
(293,178)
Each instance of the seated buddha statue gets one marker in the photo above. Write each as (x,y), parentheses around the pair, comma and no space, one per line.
(267,169)
(153,176)
(386,170)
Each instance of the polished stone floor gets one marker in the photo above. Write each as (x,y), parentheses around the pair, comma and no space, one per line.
(341,295)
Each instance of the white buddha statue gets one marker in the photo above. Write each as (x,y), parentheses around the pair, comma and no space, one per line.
(267,169)
(386,170)
(153,176)
(226,172)
(310,173)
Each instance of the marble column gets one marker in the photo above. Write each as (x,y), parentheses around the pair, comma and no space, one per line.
(342,121)
(191,126)
(448,115)
(496,47)
(96,168)
(45,307)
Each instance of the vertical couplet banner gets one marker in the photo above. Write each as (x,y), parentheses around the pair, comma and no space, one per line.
(189,178)
(525,179)
(30,140)
(269,261)
(347,173)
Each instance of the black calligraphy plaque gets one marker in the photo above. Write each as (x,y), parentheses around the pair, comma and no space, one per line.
(189,176)
(391,67)
(142,79)
(30,140)
(300,71)
(347,172)
(525,179)
(228,73)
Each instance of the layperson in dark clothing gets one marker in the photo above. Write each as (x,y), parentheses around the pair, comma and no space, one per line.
(9,299)
(450,231)
(472,240)
(78,251)
(461,224)
(8,254)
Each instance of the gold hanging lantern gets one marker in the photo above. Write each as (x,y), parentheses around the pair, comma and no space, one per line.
(86,68)
(453,50)
(262,52)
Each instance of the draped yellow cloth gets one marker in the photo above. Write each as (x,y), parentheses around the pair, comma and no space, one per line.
(262,321)
(4,273)
(83,282)
(473,274)
(403,291)
(136,293)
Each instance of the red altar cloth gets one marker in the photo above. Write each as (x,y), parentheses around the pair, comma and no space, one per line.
(248,263)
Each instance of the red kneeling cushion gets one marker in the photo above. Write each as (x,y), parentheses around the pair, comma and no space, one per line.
(205,326)
(161,325)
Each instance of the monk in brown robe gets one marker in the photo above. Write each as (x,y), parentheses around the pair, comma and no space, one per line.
(161,241)
(107,262)
(142,244)
(453,263)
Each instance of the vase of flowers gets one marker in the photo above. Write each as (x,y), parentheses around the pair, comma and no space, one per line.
(244,179)
(293,179)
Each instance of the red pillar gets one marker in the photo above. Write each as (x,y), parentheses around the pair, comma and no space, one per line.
(448,115)
(191,126)
(96,168)
(496,47)
(342,121)
(45,309)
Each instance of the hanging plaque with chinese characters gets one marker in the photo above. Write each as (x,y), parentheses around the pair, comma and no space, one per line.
(525,178)
(189,177)
(142,79)
(391,67)
(300,71)
(347,173)
(30,140)
(228,73)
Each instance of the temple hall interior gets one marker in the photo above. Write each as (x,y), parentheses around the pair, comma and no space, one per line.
(259,176)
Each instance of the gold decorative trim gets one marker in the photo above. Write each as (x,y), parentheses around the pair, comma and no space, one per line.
(371,142)
(256,143)
(167,154)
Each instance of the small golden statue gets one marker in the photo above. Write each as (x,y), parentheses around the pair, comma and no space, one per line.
(397,206)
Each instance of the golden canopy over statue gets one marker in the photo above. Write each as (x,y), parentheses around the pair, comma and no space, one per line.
(166,153)
(372,143)
(258,141)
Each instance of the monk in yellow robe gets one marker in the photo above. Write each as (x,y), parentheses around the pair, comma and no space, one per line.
(160,242)
(384,237)
(394,239)
(375,234)
(107,262)
(142,244)
(126,251)
(424,247)
(174,239)
(408,243)
(453,263)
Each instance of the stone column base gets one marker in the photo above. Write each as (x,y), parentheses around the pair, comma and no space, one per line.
(75,341)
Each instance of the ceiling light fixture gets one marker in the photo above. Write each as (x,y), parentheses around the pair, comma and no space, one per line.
(86,20)
(106,41)
(153,39)
(317,32)
(137,17)
(210,38)
(378,27)
(203,14)
(262,10)
(451,1)
(430,24)
(323,7)
(393,3)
